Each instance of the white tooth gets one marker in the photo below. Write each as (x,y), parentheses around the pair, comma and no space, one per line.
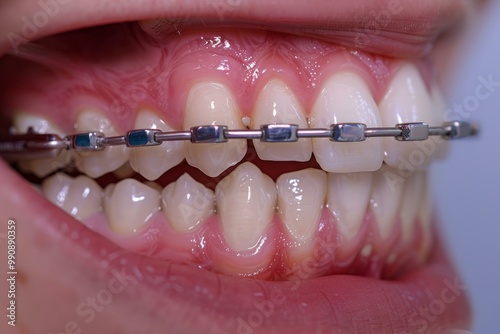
(123,172)
(246,203)
(96,164)
(385,198)
(424,215)
(407,100)
(186,203)
(346,98)
(301,197)
(348,199)
(213,104)
(410,203)
(277,104)
(80,197)
(152,162)
(40,167)
(439,103)
(129,205)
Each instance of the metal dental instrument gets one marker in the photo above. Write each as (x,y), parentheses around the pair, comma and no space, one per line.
(36,146)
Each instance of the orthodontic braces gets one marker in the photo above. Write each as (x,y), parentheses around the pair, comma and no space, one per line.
(34,145)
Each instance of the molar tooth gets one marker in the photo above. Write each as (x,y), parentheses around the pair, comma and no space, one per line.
(348,199)
(346,98)
(81,197)
(246,202)
(129,205)
(385,198)
(186,203)
(152,162)
(301,196)
(211,104)
(408,100)
(277,104)
(96,164)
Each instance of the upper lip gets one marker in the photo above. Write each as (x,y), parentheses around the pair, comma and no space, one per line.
(397,28)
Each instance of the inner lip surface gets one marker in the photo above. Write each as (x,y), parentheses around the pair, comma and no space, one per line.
(174,287)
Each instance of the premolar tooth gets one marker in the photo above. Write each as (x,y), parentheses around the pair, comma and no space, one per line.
(246,203)
(301,197)
(129,205)
(211,104)
(96,164)
(152,162)
(80,197)
(408,100)
(385,198)
(277,104)
(186,203)
(346,98)
(348,199)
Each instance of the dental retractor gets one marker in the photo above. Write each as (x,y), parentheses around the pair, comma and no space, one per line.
(32,145)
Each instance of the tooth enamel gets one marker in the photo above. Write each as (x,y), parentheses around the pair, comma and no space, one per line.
(301,196)
(123,172)
(439,104)
(211,104)
(40,167)
(277,104)
(408,100)
(96,164)
(129,205)
(345,98)
(152,162)
(246,203)
(80,197)
(424,215)
(186,203)
(347,200)
(385,198)
(412,196)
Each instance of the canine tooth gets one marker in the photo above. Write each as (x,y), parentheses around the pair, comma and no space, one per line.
(385,198)
(152,162)
(301,197)
(81,197)
(407,100)
(129,205)
(348,198)
(346,98)
(40,167)
(277,104)
(246,203)
(96,164)
(212,103)
(186,203)
(412,196)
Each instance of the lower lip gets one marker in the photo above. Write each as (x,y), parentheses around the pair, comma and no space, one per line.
(428,299)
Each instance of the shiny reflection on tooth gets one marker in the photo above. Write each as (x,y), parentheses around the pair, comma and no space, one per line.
(213,104)
(186,203)
(96,164)
(152,162)
(246,203)
(277,104)
(129,205)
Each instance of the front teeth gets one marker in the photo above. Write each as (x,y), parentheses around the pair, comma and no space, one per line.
(246,203)
(152,162)
(210,104)
(277,104)
(346,98)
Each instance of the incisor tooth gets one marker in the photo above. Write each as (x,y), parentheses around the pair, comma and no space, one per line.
(346,98)
(129,205)
(301,197)
(408,100)
(277,104)
(96,164)
(348,199)
(186,203)
(246,203)
(410,203)
(211,104)
(151,162)
(80,197)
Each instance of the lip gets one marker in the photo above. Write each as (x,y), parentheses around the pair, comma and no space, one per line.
(178,294)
